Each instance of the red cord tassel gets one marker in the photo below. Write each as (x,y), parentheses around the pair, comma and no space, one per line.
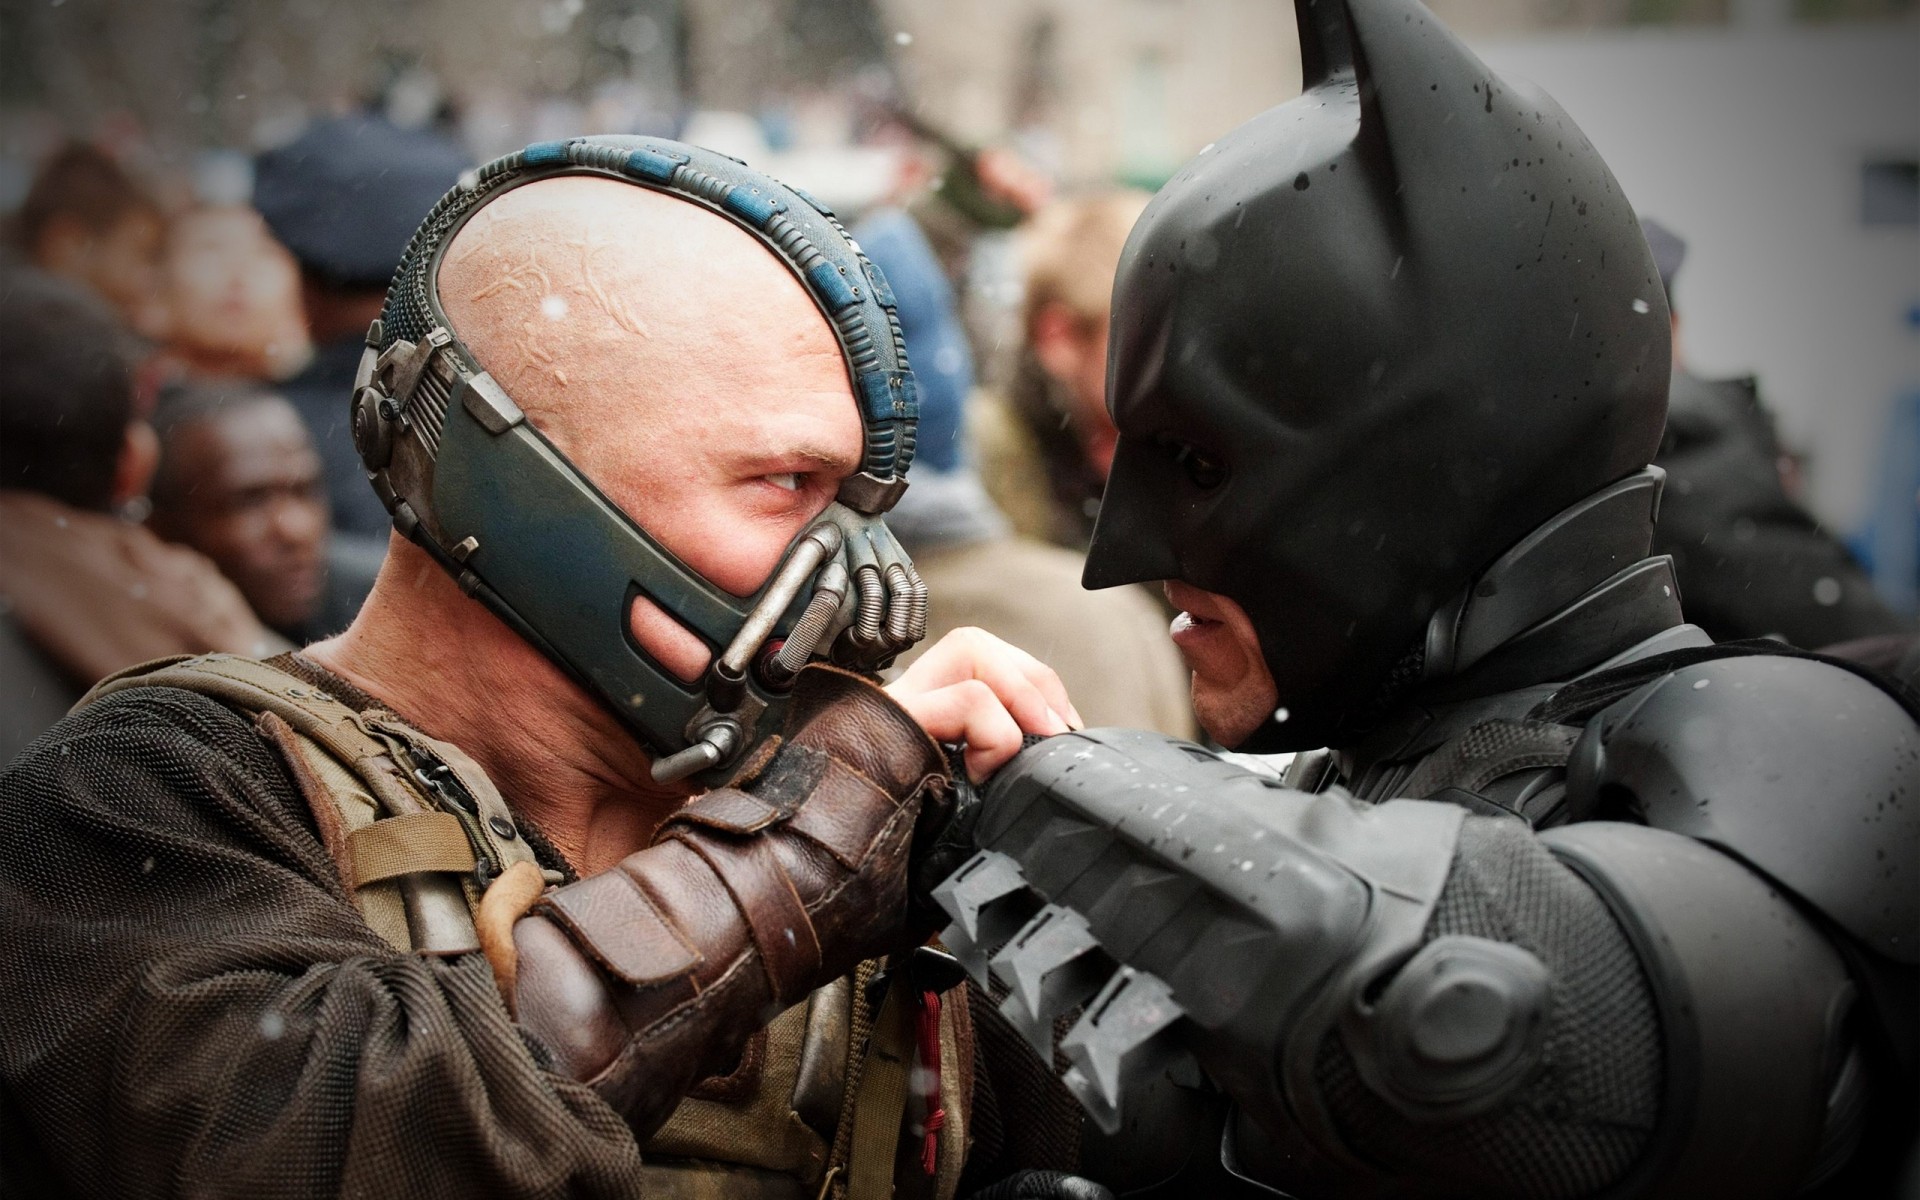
(927,1035)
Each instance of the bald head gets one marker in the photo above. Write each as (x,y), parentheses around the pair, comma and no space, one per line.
(672,358)
(623,321)
(578,263)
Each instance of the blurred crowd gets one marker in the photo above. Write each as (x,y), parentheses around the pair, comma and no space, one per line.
(177,474)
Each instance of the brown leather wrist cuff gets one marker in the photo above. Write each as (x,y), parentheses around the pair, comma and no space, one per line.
(853,720)
(620,928)
(646,977)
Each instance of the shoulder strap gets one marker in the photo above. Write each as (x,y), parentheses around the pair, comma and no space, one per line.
(415,827)
(1488,752)
(1578,701)
(254,687)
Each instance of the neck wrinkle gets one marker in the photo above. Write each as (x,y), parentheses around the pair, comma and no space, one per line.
(444,664)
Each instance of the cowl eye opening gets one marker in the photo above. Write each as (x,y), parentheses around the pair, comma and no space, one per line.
(1202,468)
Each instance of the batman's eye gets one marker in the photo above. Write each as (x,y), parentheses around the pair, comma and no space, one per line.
(1206,471)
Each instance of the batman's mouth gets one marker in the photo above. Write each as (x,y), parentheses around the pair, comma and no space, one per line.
(1192,632)
(1187,620)
(1196,607)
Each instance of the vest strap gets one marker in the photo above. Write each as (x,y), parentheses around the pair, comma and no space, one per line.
(882,1097)
(414,826)
(409,843)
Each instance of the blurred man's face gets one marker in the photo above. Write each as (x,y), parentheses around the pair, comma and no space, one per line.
(121,263)
(674,360)
(1233,691)
(245,490)
(1072,348)
(234,293)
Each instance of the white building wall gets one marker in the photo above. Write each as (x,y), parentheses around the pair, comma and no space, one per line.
(1748,143)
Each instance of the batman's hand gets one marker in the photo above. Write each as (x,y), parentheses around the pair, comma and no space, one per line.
(945,840)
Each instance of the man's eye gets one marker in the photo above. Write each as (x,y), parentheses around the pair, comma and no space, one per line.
(1206,471)
(785,479)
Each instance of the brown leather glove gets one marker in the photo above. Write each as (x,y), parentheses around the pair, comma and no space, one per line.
(651,976)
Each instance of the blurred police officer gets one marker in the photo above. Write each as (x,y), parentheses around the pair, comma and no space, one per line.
(1752,561)
(344,197)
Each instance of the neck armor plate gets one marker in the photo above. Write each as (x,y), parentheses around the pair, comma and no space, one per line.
(472,482)
(1363,345)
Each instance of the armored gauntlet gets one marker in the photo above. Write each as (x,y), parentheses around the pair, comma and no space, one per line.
(1403,998)
(1177,900)
(650,976)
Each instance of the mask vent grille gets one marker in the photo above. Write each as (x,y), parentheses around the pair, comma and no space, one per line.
(428,410)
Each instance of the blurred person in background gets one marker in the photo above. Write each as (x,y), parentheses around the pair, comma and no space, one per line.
(957,192)
(1752,561)
(1109,648)
(1889,543)
(965,202)
(343,198)
(84,589)
(86,219)
(1888,548)
(233,295)
(239,481)
(1049,445)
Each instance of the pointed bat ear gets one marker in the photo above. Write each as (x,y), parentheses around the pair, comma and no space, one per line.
(1413,68)
(1365,38)
(1326,40)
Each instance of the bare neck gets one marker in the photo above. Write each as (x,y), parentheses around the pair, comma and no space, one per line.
(451,668)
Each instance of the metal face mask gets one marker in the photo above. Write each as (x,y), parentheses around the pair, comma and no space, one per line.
(1365,343)
(472,482)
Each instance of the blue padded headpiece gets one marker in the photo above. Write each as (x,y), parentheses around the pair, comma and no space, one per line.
(799,230)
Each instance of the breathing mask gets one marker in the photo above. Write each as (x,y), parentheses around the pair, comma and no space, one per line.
(471,481)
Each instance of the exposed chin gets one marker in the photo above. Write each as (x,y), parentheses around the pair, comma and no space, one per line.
(1231,697)
(293,602)
(1233,692)
(284,616)
(1230,715)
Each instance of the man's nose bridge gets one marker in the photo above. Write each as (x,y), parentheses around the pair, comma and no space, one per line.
(294,515)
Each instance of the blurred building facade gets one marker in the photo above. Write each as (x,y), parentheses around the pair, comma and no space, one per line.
(1123,89)
(1760,141)
(1100,90)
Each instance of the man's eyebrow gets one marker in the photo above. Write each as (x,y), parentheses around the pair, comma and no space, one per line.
(808,456)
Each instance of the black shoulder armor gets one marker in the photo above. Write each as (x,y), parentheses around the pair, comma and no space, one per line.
(1807,772)
(1753,1002)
